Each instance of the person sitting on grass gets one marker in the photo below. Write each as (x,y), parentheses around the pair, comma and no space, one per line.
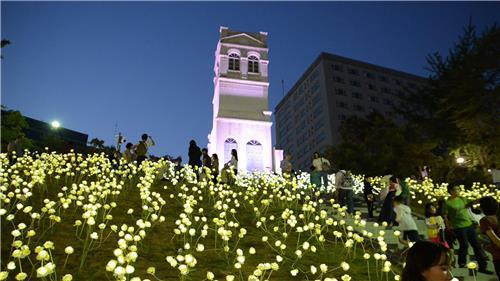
(406,222)
(427,261)
(489,226)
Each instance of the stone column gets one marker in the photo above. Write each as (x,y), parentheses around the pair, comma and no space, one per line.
(244,67)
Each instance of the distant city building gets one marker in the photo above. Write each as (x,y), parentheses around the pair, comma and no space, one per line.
(333,88)
(241,115)
(38,130)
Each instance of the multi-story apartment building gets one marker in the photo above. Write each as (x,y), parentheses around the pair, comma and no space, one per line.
(331,89)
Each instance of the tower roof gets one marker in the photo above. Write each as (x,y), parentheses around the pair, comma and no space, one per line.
(242,37)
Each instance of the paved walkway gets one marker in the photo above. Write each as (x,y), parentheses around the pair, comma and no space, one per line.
(396,247)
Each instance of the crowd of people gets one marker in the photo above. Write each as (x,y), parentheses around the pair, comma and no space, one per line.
(202,162)
(448,222)
(199,159)
(433,259)
(135,152)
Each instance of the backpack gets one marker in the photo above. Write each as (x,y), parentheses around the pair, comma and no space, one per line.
(325,166)
(141,149)
(348,180)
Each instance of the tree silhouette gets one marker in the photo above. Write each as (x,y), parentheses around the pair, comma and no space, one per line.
(460,108)
(97,143)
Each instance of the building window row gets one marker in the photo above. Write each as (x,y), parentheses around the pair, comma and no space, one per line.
(388,102)
(339,79)
(342,104)
(340,92)
(234,63)
(371,75)
(359,108)
(357,95)
(355,83)
(337,67)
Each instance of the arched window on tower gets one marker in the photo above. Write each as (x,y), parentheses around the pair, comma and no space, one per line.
(253,64)
(229,144)
(254,156)
(234,62)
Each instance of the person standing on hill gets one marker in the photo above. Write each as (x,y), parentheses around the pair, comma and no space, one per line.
(206,161)
(141,149)
(368,195)
(345,189)
(457,218)
(231,167)
(406,222)
(405,192)
(387,213)
(215,167)
(286,165)
(322,165)
(435,225)
(129,153)
(489,226)
(194,154)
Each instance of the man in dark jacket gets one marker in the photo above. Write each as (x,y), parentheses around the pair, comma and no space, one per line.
(194,154)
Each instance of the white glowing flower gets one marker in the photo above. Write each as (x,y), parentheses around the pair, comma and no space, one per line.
(41,272)
(313,269)
(11,265)
(21,276)
(323,267)
(69,250)
(345,266)
(472,265)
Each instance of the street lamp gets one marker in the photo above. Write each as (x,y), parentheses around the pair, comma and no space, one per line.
(55,124)
(460,160)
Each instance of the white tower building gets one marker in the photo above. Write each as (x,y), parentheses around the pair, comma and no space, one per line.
(241,118)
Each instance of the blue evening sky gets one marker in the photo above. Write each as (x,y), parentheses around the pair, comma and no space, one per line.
(148,67)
